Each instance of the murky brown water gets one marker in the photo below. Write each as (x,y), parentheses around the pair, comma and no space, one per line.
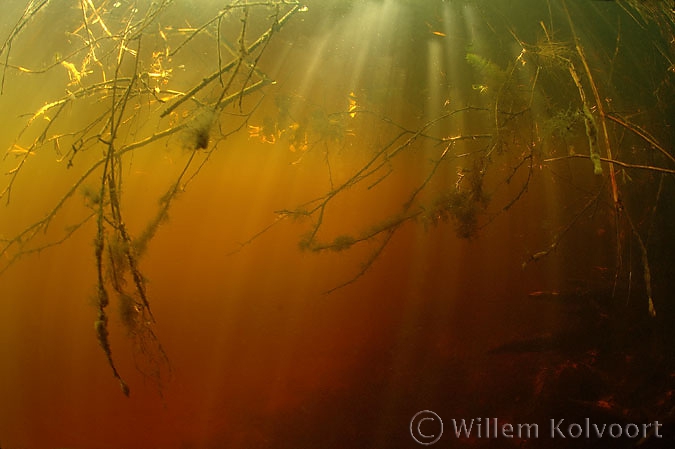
(259,355)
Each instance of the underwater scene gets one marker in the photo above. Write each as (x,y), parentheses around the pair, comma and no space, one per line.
(337,224)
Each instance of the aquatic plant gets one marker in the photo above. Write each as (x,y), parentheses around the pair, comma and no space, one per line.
(487,68)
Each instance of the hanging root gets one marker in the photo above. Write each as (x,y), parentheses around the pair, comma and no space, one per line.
(101,326)
(645,267)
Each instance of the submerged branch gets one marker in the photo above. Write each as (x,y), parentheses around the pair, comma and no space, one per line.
(669,171)
(134,85)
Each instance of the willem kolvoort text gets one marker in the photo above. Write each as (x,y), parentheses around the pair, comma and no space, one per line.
(555,428)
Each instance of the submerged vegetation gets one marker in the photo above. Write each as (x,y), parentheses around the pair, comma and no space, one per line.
(119,62)
(128,74)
